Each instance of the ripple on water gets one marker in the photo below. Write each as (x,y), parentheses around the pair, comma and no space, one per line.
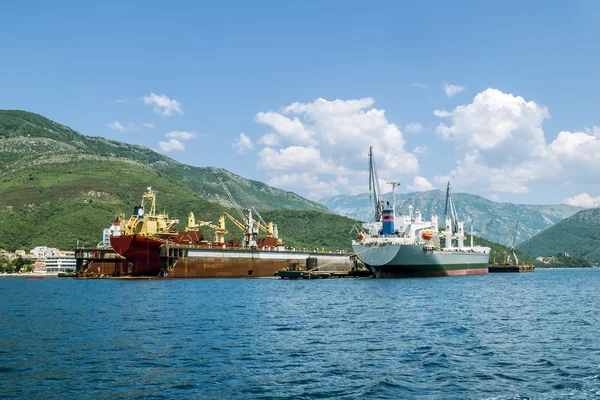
(494,337)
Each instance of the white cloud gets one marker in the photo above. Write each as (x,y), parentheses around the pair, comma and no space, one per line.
(329,141)
(500,143)
(583,200)
(163,105)
(594,130)
(578,154)
(420,150)
(442,113)
(414,127)
(243,143)
(171,144)
(181,135)
(291,129)
(452,90)
(125,101)
(116,126)
(149,125)
(420,184)
(419,85)
(270,139)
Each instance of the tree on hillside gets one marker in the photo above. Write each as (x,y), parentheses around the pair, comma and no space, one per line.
(6,266)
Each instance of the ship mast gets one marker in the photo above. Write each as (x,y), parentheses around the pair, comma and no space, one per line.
(374,186)
(450,204)
(394,184)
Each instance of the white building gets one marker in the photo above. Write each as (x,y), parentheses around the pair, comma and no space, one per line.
(64,261)
(42,252)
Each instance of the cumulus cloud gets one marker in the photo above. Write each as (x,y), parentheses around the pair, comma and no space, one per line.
(163,105)
(414,127)
(500,142)
(124,101)
(149,125)
(116,126)
(183,135)
(324,144)
(583,200)
(170,145)
(243,143)
(442,113)
(420,184)
(452,90)
(578,155)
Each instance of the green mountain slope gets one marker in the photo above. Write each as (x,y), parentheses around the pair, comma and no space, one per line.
(28,139)
(58,186)
(491,220)
(578,235)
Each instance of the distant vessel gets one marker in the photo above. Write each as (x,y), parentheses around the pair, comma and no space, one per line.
(153,247)
(511,261)
(414,248)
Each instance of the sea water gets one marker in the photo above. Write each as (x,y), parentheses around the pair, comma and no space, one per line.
(497,336)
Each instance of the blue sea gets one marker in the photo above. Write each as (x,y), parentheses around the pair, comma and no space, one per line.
(497,336)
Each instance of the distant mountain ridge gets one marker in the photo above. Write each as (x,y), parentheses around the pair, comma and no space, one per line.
(578,235)
(491,220)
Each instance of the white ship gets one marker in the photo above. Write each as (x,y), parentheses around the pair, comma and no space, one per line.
(416,247)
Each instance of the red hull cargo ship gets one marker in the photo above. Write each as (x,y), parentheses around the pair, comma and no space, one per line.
(153,248)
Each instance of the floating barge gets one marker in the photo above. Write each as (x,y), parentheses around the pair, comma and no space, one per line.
(503,268)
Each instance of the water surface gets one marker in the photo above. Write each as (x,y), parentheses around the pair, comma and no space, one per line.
(498,336)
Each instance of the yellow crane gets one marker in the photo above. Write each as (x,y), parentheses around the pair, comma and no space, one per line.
(249,231)
(220,230)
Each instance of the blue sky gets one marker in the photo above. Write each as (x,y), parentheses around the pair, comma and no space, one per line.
(517,73)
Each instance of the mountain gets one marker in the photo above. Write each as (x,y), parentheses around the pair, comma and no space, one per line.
(491,220)
(578,235)
(58,186)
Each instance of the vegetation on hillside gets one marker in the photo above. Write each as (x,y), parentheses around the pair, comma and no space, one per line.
(562,260)
(578,235)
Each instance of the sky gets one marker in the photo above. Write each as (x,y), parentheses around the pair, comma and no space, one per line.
(500,98)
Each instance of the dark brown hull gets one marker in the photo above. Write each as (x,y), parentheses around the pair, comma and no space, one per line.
(229,267)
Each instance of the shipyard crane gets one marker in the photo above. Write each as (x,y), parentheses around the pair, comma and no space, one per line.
(374,186)
(232,200)
(250,233)
(220,231)
(268,227)
(512,246)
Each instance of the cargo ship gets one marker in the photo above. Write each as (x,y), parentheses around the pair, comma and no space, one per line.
(153,247)
(415,248)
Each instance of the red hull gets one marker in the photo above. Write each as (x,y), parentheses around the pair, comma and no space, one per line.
(142,253)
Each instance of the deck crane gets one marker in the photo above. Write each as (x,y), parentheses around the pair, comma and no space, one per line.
(220,231)
(513,254)
(269,228)
(450,204)
(374,186)
(250,232)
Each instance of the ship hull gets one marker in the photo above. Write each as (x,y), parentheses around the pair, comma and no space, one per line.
(401,260)
(236,263)
(141,252)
